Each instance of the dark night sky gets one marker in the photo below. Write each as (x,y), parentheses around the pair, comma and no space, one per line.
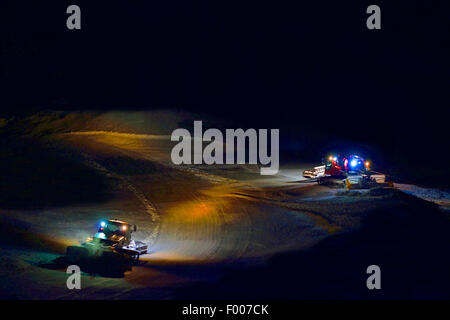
(276,63)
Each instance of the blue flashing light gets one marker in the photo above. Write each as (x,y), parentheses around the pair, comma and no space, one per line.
(353,163)
(103,224)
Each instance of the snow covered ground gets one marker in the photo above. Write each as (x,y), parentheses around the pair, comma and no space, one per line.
(197,220)
(440,197)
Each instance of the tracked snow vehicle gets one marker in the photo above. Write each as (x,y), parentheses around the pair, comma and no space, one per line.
(351,172)
(111,242)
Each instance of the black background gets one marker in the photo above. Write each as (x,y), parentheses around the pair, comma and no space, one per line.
(308,68)
(312,69)
(278,309)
